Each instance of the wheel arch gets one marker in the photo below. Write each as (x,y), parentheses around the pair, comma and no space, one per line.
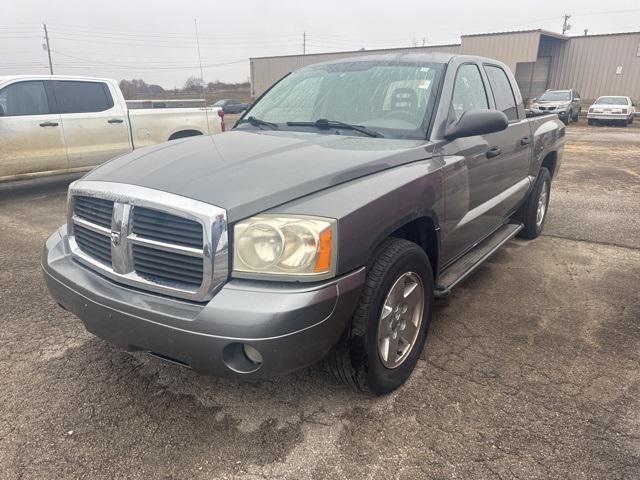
(183,133)
(423,231)
(550,162)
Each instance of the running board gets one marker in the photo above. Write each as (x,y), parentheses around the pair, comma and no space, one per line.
(466,264)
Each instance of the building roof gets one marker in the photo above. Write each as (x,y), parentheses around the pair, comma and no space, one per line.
(546,33)
(376,50)
(578,37)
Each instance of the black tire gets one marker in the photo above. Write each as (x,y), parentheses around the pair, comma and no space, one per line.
(355,360)
(631,119)
(575,116)
(591,121)
(527,214)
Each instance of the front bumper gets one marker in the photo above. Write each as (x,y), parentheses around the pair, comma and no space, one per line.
(292,326)
(561,113)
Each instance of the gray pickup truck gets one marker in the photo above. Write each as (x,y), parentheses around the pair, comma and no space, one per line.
(321,227)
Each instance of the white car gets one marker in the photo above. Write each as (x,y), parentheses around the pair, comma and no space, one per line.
(611,109)
(60,124)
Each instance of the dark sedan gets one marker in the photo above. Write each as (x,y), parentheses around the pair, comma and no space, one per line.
(231,105)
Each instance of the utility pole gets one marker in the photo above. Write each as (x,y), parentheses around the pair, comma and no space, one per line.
(304,43)
(565,24)
(204,96)
(46,38)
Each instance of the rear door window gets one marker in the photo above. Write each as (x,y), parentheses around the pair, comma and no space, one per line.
(24,98)
(82,97)
(502,91)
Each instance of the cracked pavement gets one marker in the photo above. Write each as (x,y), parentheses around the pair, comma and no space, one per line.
(531,369)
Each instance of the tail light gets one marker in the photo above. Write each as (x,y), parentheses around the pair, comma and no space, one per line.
(221,115)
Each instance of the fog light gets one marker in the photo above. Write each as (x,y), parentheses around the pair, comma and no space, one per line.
(252,354)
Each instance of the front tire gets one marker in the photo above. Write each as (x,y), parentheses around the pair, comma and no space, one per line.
(533,213)
(381,347)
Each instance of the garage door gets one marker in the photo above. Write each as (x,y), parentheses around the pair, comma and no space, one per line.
(533,78)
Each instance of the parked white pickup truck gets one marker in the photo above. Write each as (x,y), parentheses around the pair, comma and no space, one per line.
(60,124)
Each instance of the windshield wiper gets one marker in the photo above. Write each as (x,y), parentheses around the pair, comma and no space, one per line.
(323,124)
(256,122)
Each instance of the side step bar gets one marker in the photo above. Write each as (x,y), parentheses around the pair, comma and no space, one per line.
(466,264)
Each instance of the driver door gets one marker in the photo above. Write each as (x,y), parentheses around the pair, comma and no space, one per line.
(32,136)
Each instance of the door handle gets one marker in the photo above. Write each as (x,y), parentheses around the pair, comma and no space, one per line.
(525,141)
(49,124)
(115,120)
(493,152)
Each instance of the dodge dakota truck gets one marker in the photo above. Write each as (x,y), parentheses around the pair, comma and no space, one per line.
(60,124)
(321,227)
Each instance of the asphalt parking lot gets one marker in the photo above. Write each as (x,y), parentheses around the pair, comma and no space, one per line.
(531,369)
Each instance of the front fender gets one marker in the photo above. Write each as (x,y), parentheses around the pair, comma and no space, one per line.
(370,209)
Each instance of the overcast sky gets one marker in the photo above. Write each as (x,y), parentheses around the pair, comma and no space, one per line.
(155,40)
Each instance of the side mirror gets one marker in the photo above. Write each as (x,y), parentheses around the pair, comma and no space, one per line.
(477,122)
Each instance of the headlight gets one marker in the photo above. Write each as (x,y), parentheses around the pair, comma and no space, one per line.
(285,247)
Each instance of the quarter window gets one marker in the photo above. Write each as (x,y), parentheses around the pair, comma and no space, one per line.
(468,92)
(24,98)
(502,92)
(82,97)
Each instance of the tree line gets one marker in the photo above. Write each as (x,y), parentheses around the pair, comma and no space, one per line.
(192,88)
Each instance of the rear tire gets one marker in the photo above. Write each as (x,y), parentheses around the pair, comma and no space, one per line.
(368,358)
(576,116)
(533,213)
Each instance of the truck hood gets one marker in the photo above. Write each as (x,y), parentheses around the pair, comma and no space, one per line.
(247,172)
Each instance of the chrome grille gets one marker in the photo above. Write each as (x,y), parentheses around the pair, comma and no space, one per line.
(95,244)
(167,267)
(95,210)
(166,228)
(149,239)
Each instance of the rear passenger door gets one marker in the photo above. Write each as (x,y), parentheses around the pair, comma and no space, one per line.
(509,168)
(31,136)
(95,126)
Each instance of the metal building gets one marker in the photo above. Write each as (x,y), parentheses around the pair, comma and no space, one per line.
(594,65)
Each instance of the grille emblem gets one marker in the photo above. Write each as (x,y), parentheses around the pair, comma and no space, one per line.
(115,238)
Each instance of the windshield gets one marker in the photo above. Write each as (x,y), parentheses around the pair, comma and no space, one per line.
(389,97)
(611,101)
(220,103)
(558,96)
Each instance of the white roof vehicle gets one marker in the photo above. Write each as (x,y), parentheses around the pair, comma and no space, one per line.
(611,108)
(63,124)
